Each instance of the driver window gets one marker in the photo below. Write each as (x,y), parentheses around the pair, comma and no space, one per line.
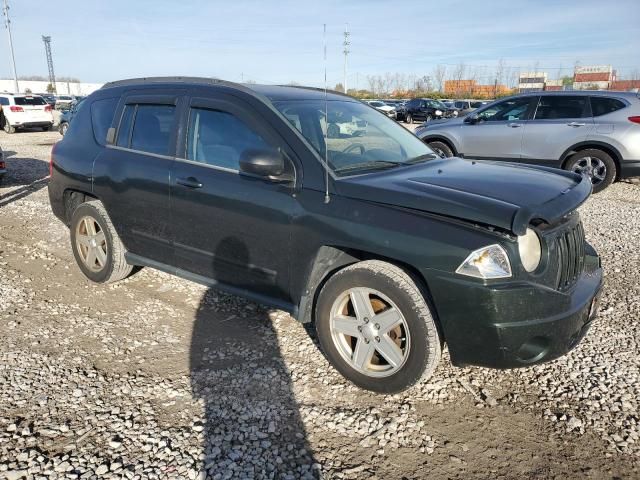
(507,111)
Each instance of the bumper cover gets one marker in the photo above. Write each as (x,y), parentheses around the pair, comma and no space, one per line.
(514,324)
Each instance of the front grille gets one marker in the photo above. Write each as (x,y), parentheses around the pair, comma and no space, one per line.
(570,251)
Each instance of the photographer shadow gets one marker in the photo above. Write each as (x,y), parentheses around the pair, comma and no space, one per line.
(252,424)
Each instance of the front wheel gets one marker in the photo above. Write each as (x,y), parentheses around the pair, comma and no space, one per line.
(96,245)
(441,149)
(596,165)
(408,118)
(375,327)
(63,128)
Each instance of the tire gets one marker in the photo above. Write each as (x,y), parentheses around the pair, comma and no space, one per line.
(8,128)
(598,165)
(441,149)
(408,118)
(428,118)
(114,267)
(387,288)
(63,128)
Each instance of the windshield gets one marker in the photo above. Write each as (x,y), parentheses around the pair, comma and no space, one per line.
(359,139)
(377,104)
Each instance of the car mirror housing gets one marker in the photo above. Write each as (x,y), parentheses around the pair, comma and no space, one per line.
(471,119)
(264,163)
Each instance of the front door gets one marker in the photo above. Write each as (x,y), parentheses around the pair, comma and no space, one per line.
(496,132)
(131,176)
(229,227)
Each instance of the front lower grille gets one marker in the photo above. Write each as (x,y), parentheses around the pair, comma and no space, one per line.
(570,251)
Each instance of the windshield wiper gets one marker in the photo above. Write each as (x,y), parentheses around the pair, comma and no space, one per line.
(373,164)
(420,158)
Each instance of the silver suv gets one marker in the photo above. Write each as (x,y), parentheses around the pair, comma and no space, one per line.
(596,133)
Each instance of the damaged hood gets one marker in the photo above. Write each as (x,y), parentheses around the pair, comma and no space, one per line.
(500,194)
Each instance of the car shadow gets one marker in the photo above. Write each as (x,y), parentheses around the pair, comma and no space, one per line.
(253,427)
(28,174)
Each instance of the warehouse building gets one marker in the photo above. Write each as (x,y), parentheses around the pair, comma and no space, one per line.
(595,77)
(532,82)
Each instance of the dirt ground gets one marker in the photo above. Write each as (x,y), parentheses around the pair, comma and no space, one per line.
(177,356)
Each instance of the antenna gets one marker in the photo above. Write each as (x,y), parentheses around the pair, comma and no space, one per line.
(326,120)
(345,44)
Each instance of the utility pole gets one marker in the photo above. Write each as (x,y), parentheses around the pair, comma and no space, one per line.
(47,49)
(346,44)
(7,23)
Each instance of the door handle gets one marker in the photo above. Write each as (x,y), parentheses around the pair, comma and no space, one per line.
(515,125)
(576,124)
(189,182)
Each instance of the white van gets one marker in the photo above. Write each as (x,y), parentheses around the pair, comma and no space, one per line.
(24,111)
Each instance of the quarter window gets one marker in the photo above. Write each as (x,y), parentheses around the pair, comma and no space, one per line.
(604,105)
(101,116)
(559,107)
(219,138)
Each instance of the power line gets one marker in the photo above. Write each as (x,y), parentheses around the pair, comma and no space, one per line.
(7,24)
(47,49)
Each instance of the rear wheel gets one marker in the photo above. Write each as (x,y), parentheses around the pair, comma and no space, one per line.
(8,128)
(96,245)
(375,327)
(408,118)
(441,148)
(597,165)
(63,128)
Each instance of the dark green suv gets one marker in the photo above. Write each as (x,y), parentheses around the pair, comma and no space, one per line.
(389,249)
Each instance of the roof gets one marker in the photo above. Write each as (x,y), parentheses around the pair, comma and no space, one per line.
(606,93)
(272,92)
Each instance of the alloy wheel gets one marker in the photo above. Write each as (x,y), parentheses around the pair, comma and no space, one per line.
(91,244)
(592,167)
(370,332)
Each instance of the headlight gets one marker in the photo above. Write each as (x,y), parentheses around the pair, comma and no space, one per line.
(486,262)
(438,112)
(530,250)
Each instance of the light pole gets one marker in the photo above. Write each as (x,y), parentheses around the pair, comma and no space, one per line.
(7,23)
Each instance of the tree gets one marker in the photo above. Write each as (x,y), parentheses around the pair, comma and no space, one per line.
(499,74)
(50,88)
(27,90)
(339,88)
(439,74)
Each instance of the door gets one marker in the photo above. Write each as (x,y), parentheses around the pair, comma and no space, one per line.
(559,122)
(496,132)
(131,177)
(230,227)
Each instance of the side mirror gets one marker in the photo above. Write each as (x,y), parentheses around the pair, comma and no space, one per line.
(264,163)
(471,119)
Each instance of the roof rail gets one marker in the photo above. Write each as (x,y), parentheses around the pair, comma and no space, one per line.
(151,80)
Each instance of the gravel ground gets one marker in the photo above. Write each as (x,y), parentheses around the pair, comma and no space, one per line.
(156,377)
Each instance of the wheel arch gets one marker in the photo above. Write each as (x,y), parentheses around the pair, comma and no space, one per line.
(441,138)
(330,259)
(72,198)
(613,152)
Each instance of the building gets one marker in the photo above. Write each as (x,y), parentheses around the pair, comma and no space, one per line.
(470,88)
(625,85)
(532,82)
(551,85)
(62,88)
(595,77)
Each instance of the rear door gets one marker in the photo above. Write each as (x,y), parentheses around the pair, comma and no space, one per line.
(497,133)
(559,122)
(131,176)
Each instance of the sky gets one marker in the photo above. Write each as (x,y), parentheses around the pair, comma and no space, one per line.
(282,41)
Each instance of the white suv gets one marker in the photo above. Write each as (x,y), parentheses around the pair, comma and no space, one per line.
(22,110)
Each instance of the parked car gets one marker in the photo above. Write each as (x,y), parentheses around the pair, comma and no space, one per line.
(3,166)
(383,107)
(466,106)
(391,253)
(451,106)
(67,116)
(425,109)
(596,133)
(64,102)
(50,99)
(24,111)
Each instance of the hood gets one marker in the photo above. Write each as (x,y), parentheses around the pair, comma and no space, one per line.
(500,194)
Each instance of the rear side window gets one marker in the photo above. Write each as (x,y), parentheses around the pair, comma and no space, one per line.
(604,105)
(101,116)
(146,128)
(558,107)
(30,101)
(218,138)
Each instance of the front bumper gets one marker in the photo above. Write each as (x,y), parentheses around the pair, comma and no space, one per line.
(514,324)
